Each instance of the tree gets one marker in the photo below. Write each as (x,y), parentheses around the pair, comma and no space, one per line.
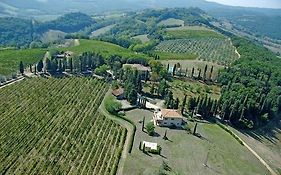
(40,66)
(192,73)
(169,100)
(162,89)
(176,104)
(174,69)
(71,65)
(30,68)
(211,73)
(21,67)
(132,96)
(183,104)
(150,128)
(205,72)
(165,136)
(199,74)
(111,105)
(195,128)
(152,89)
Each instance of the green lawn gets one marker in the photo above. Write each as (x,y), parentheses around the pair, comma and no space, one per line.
(104,48)
(186,153)
(10,59)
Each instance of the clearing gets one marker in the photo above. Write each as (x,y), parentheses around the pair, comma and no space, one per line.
(171,22)
(142,38)
(102,30)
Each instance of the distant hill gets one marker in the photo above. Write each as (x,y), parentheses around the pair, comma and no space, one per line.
(20,32)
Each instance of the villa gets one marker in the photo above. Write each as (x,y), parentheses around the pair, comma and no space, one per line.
(167,118)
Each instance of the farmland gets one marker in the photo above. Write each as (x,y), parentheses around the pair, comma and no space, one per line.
(216,50)
(52,126)
(104,48)
(9,59)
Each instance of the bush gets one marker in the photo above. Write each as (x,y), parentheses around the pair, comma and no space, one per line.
(150,128)
(112,106)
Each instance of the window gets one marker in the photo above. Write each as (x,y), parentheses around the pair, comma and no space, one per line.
(165,119)
(165,123)
(173,119)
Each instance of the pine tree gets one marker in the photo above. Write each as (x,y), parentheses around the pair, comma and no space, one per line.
(21,68)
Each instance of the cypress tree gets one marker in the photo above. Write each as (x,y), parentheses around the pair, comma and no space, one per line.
(211,73)
(40,66)
(192,73)
(183,104)
(195,128)
(30,68)
(199,74)
(205,72)
(176,104)
(21,67)
(71,65)
(174,69)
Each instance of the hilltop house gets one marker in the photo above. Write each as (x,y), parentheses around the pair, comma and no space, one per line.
(167,118)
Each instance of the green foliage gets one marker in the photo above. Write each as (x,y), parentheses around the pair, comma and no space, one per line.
(252,83)
(150,128)
(104,48)
(21,67)
(231,133)
(101,70)
(111,105)
(9,59)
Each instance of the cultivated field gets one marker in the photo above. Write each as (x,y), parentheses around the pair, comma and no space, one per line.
(186,154)
(10,59)
(52,126)
(216,50)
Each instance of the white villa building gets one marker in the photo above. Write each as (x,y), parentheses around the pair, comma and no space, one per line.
(167,118)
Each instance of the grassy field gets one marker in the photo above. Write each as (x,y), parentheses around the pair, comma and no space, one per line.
(266,142)
(104,48)
(142,38)
(10,59)
(186,154)
(102,30)
(171,22)
(52,126)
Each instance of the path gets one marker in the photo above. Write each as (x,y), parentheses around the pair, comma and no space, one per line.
(257,156)
(12,82)
(124,124)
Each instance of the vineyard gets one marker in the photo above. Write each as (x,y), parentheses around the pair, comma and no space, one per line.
(216,50)
(52,126)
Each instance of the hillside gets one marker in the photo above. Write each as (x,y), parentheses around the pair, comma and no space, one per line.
(104,48)
(21,32)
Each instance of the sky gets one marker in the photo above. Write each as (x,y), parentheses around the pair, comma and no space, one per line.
(251,3)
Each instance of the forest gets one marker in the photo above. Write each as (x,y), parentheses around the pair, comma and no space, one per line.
(251,86)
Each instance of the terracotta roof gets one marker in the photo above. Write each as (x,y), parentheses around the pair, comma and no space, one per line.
(170,113)
(118,92)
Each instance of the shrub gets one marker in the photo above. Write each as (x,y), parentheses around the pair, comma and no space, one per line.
(112,106)
(150,128)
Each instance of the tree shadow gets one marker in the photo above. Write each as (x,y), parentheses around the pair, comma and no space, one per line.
(268,132)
